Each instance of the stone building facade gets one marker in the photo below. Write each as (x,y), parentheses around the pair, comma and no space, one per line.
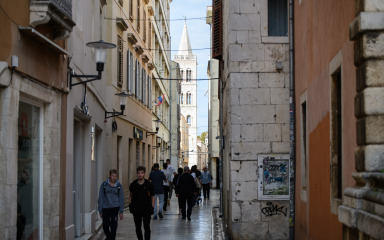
(188,95)
(254,101)
(33,93)
(213,113)
(361,212)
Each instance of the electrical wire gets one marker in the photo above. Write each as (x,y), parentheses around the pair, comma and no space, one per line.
(196,79)
(148,19)
(192,49)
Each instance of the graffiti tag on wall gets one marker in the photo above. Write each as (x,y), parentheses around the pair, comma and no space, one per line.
(272,210)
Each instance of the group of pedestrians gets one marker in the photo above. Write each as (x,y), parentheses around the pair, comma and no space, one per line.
(152,196)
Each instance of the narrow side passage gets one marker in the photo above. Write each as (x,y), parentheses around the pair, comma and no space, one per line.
(172,226)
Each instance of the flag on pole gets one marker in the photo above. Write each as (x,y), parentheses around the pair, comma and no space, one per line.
(160,100)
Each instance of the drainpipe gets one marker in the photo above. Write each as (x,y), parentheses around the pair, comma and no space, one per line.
(292,121)
(170,104)
(221,141)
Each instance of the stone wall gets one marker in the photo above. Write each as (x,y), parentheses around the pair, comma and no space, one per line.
(362,209)
(24,89)
(255,117)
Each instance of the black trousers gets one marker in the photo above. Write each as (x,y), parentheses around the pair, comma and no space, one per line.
(110,217)
(166,194)
(206,189)
(186,200)
(146,219)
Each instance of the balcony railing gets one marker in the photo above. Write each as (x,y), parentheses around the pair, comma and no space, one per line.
(58,12)
(64,6)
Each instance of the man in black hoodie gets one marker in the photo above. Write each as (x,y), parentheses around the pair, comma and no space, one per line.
(111,204)
(185,190)
(142,201)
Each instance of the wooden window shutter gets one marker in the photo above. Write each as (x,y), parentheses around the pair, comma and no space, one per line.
(145,26)
(138,16)
(131,10)
(217,41)
(120,61)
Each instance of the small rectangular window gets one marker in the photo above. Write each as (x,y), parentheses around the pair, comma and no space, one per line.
(277,18)
(304,145)
(336,135)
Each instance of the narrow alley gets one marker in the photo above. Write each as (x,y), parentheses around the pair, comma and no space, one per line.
(172,226)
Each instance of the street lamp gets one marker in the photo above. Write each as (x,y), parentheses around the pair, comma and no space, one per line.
(157,128)
(123,101)
(101,48)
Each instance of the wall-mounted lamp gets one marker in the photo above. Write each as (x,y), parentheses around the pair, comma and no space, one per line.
(123,101)
(157,128)
(100,56)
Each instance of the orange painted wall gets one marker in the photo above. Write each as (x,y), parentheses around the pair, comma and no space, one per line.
(322,224)
(321,31)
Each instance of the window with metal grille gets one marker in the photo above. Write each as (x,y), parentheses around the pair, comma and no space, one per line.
(217,38)
(131,10)
(145,26)
(138,15)
(121,2)
(120,61)
(277,18)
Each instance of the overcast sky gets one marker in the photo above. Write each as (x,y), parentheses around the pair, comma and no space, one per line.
(199,35)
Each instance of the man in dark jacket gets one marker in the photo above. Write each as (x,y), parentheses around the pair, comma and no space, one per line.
(111,204)
(185,190)
(142,201)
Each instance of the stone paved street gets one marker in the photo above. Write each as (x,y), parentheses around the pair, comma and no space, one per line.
(172,226)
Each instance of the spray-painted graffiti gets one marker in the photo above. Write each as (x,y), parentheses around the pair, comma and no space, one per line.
(272,210)
(275,176)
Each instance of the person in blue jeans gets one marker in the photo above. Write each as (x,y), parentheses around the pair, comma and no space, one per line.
(206,182)
(157,177)
(111,204)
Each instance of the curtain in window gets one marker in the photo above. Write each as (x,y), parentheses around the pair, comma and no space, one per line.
(277,18)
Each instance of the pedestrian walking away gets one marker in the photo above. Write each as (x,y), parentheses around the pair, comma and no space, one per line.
(196,176)
(175,180)
(172,169)
(111,204)
(141,203)
(186,189)
(168,176)
(206,181)
(157,177)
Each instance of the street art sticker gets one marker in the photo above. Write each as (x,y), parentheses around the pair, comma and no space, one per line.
(273,177)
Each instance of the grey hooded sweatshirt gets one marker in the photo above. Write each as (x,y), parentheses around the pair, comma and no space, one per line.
(111,196)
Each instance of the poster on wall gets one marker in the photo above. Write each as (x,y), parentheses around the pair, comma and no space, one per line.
(273,177)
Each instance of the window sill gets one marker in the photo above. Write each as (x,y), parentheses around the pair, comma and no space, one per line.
(274,39)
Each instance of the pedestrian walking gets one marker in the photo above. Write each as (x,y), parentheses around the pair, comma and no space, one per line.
(141,203)
(186,189)
(206,181)
(172,169)
(168,176)
(196,176)
(175,180)
(111,204)
(157,177)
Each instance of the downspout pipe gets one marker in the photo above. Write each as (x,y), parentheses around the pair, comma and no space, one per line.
(292,121)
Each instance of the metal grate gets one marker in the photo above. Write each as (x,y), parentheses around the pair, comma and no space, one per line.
(64,6)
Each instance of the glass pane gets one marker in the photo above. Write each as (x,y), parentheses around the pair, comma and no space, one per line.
(277,18)
(28,172)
